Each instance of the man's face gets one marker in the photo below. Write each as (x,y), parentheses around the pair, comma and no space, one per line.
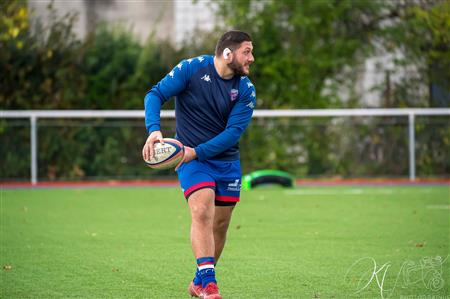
(242,58)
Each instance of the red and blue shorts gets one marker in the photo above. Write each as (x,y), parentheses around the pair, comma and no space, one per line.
(224,177)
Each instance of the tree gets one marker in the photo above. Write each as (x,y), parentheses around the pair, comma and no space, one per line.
(308,52)
(305,50)
(40,67)
(421,33)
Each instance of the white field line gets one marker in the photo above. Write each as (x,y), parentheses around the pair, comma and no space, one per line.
(357,191)
(438,207)
(332,192)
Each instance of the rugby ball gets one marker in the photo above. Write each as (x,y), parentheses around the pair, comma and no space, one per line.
(166,155)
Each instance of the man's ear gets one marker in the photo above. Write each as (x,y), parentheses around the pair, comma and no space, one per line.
(226,53)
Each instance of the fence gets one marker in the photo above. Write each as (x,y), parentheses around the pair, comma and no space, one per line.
(35,116)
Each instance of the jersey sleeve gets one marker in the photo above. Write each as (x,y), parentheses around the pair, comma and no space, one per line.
(171,85)
(238,121)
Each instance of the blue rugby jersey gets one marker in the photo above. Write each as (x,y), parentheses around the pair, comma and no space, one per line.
(211,112)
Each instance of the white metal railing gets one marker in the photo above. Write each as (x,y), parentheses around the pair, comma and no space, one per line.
(34,115)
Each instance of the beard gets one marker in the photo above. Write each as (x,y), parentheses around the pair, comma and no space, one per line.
(237,68)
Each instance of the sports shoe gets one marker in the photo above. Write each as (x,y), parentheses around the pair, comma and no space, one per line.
(211,291)
(194,290)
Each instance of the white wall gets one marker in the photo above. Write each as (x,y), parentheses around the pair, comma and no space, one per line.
(192,16)
(141,16)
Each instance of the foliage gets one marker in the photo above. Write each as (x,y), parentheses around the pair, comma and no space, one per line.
(347,147)
(422,34)
(110,58)
(307,53)
(304,48)
(49,68)
(40,69)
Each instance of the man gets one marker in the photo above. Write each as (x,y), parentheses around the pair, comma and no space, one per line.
(214,105)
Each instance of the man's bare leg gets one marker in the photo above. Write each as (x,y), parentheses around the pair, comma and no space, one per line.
(222,220)
(201,205)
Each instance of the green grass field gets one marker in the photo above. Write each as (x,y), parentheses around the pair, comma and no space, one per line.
(298,243)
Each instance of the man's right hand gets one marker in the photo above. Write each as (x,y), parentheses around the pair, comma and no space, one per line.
(147,150)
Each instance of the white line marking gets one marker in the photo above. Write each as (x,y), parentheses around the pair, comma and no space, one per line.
(438,207)
(338,192)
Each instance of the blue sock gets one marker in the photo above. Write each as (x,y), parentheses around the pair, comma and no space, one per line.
(197,279)
(206,270)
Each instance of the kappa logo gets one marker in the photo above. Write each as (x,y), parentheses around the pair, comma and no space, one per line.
(233,94)
(206,78)
(235,186)
(250,105)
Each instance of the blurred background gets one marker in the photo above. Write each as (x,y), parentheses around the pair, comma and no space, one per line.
(316,54)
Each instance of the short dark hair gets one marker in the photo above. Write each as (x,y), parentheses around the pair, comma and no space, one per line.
(231,39)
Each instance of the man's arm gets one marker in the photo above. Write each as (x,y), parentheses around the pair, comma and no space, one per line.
(172,84)
(238,121)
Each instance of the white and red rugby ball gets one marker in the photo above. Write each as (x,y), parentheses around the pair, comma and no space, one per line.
(166,155)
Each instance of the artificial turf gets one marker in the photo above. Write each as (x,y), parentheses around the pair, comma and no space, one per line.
(308,242)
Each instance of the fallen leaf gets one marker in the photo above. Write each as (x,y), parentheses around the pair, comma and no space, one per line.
(7,267)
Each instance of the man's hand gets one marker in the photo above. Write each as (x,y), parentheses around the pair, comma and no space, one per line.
(189,155)
(147,150)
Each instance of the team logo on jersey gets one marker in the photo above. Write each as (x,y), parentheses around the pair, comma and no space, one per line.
(233,94)
(206,78)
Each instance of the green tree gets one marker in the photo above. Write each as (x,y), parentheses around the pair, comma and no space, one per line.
(110,60)
(308,52)
(40,67)
(421,33)
(305,50)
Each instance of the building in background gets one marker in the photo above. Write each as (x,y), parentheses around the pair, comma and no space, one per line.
(175,20)
(178,20)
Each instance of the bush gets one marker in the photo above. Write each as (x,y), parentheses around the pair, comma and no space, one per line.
(49,68)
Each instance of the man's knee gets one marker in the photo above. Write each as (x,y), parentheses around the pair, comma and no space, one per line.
(202,206)
(202,213)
